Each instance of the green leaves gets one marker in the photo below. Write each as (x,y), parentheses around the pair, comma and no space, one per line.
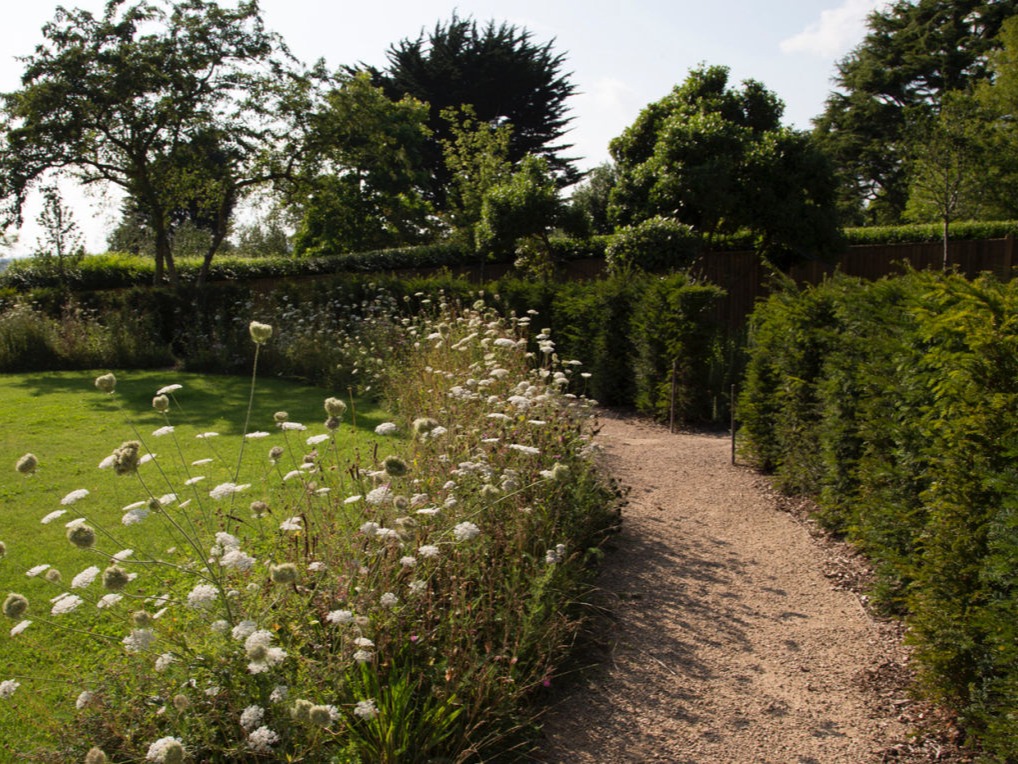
(913,55)
(184,108)
(717,159)
(896,403)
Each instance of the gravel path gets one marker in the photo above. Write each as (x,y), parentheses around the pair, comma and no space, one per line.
(726,632)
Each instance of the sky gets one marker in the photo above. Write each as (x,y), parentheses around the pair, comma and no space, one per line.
(620,54)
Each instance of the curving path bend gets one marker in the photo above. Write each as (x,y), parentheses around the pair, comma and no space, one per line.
(724,634)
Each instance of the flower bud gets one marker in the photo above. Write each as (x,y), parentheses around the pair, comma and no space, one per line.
(26,464)
(260,333)
(106,383)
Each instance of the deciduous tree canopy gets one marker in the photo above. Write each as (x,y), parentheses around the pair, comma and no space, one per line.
(185,106)
(913,54)
(717,159)
(365,172)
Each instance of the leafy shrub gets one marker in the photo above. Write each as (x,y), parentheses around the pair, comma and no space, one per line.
(77,337)
(674,339)
(656,244)
(894,402)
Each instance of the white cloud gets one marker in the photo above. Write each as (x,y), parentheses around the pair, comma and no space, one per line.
(838,30)
(611,94)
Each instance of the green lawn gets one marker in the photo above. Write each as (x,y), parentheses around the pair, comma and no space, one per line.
(71,427)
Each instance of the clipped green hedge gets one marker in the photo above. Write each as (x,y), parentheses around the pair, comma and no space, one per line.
(895,404)
(117,270)
(657,244)
(626,331)
(925,232)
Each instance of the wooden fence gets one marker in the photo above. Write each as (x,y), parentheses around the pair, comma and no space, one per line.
(746,280)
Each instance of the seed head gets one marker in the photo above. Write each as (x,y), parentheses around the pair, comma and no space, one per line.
(284,573)
(95,756)
(106,383)
(560,473)
(301,710)
(260,333)
(125,458)
(82,536)
(15,606)
(161,403)
(53,576)
(394,466)
(334,407)
(26,464)
(321,716)
(115,578)
(423,425)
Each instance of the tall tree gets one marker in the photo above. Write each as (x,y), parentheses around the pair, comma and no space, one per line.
(61,243)
(914,53)
(364,172)
(521,211)
(717,159)
(501,73)
(184,105)
(948,167)
(998,97)
(590,199)
(477,157)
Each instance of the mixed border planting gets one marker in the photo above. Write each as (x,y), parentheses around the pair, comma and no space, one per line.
(405,607)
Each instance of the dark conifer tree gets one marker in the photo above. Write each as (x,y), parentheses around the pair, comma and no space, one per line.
(502,73)
(913,53)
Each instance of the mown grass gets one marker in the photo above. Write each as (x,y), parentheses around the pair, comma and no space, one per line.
(71,427)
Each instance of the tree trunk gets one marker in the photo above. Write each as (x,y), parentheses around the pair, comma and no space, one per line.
(947,261)
(164,257)
(226,205)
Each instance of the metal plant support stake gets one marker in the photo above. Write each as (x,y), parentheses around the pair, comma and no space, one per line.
(731,409)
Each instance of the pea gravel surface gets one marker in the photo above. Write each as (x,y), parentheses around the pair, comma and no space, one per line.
(728,628)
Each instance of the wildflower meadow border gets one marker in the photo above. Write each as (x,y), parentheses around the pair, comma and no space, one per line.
(399,610)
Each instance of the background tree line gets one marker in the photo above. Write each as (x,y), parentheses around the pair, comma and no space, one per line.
(191,110)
